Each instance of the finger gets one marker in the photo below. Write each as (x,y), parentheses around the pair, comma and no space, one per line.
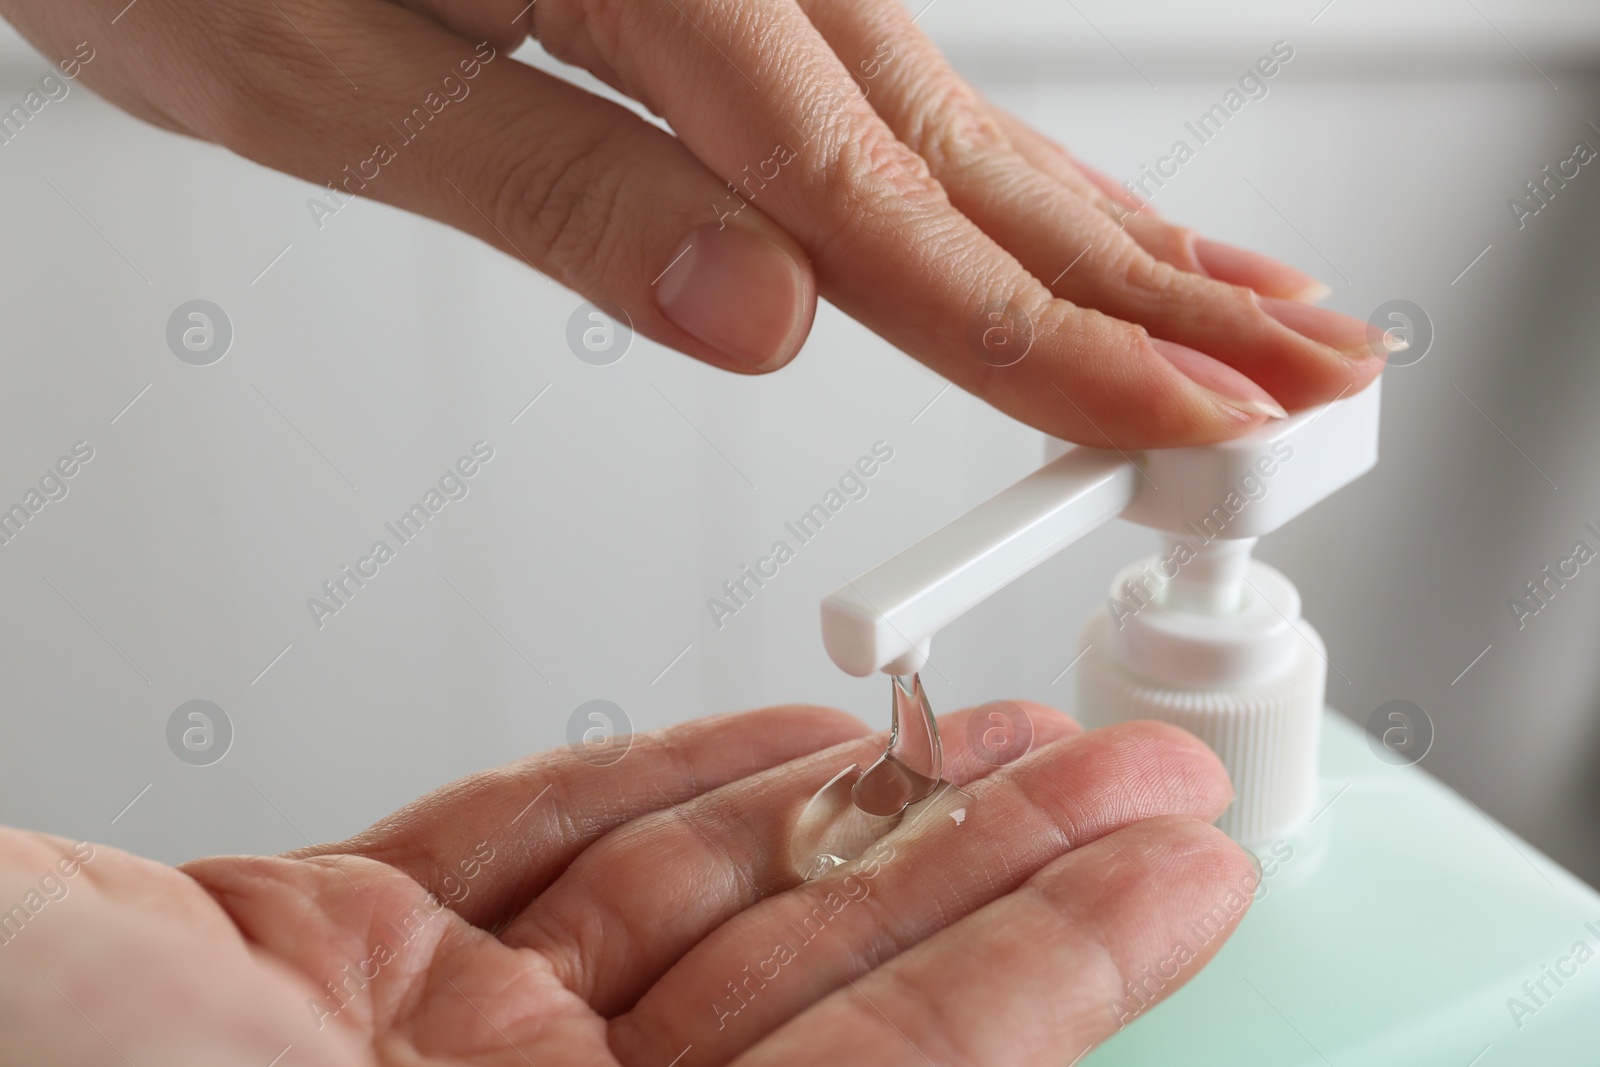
(606,925)
(1167,242)
(377,101)
(917,881)
(1170,243)
(535,816)
(768,102)
(1303,358)
(503,23)
(1042,975)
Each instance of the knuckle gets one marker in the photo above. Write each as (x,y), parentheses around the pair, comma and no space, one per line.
(1167,286)
(1164,240)
(563,202)
(875,161)
(1138,269)
(1239,299)
(906,996)
(259,74)
(953,128)
(869,175)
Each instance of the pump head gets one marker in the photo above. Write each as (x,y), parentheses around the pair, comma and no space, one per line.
(1200,634)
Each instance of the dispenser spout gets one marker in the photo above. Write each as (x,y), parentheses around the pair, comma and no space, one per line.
(884,619)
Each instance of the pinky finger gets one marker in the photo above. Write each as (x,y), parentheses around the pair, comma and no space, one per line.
(1084,946)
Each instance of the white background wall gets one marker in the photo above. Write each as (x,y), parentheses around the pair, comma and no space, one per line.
(377,350)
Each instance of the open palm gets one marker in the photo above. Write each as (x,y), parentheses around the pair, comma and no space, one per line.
(647,913)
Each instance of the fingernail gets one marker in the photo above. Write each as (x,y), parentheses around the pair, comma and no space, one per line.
(739,292)
(1240,266)
(1351,336)
(1228,385)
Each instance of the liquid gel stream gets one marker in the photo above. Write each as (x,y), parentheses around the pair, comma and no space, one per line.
(908,770)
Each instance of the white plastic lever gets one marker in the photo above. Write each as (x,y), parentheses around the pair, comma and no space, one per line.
(1237,490)
(886,618)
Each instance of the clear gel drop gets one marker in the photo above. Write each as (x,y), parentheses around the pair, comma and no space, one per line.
(908,770)
(856,808)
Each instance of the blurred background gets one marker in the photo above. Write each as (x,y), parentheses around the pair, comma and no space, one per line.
(366,357)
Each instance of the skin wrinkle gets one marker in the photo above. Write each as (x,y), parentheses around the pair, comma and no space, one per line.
(370,843)
(1005,170)
(409,998)
(1127,265)
(952,128)
(571,37)
(1164,239)
(243,109)
(1082,928)
(907,90)
(682,758)
(926,1023)
(563,203)
(725,816)
(573,952)
(1137,757)
(1171,863)
(771,30)
(936,113)
(887,943)
(1161,292)
(921,305)
(582,979)
(470,995)
(1189,407)
(406,987)
(481,20)
(264,884)
(741,878)
(557,809)
(1058,163)
(223,896)
(867,175)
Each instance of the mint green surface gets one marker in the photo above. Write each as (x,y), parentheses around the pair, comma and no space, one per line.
(1395,933)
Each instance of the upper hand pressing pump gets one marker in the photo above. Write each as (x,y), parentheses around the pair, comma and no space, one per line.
(819,147)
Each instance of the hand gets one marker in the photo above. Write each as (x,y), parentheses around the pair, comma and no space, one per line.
(820,146)
(552,912)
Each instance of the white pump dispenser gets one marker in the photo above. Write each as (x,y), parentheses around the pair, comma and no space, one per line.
(1356,947)
(1236,666)
(1199,635)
